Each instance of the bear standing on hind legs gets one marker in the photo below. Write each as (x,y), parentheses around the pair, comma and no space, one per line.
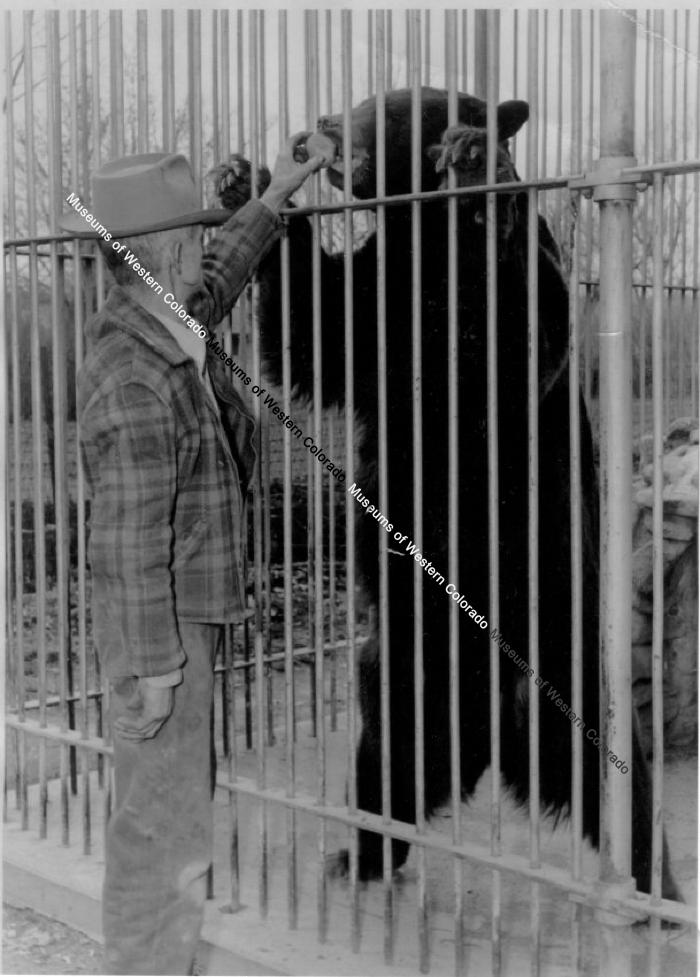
(463,149)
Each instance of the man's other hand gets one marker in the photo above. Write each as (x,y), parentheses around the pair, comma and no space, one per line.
(146,711)
(288,174)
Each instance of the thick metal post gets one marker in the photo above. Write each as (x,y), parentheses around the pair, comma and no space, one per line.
(5,591)
(616,200)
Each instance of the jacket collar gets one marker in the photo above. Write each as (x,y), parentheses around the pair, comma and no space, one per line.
(122,311)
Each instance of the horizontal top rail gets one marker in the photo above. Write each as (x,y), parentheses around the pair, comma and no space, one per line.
(667,169)
(371,203)
(575,182)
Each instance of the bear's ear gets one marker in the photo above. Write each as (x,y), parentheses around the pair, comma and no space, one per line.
(511,116)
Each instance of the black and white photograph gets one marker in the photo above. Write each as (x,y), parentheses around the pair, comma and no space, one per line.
(349,382)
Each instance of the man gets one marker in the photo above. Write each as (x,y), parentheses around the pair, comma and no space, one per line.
(167,450)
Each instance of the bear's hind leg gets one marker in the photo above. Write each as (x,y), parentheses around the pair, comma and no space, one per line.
(642,827)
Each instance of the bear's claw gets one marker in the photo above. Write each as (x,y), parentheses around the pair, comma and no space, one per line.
(232,181)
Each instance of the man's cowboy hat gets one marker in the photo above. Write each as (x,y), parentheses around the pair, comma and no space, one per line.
(141,194)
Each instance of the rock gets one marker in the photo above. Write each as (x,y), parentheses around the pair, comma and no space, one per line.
(641,662)
(641,693)
(642,568)
(641,628)
(680,478)
(671,707)
(684,430)
(674,526)
(642,602)
(675,621)
(648,474)
(642,562)
(681,463)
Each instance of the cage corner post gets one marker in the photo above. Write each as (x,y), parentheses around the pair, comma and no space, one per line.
(616,200)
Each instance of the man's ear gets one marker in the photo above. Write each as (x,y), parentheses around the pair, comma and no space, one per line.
(176,255)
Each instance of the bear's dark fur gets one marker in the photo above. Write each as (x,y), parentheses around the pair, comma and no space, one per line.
(464,149)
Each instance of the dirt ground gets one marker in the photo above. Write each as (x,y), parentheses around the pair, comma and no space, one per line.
(35,944)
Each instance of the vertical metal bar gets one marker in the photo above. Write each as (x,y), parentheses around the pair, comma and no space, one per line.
(453,498)
(540,107)
(216,122)
(246,326)
(95,93)
(617,63)
(659,23)
(658,382)
(289,701)
(58,378)
(194,91)
(657,696)
(168,81)
(232,763)
(332,636)
(17,429)
(95,128)
(588,335)
(389,60)
(311,578)
(515,54)
(329,223)
(350,612)
(481,22)
(5,587)
(328,61)
(265,418)
(225,139)
(81,558)
(313,595)
(426,47)
(695,309)
(312,100)
(253,96)
(533,479)
(81,181)
(674,323)
(646,233)
(142,80)
(37,407)
(560,122)
(116,84)
(492,49)
(465,49)
(686,126)
(21,798)
(383,473)
(262,107)
(240,107)
(576,525)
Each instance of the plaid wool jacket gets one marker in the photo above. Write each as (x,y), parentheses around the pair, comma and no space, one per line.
(167,475)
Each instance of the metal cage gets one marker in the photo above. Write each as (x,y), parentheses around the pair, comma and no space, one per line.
(611,155)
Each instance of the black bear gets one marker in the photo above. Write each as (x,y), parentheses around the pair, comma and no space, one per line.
(464,149)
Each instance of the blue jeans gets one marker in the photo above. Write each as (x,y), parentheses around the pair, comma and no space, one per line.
(159,837)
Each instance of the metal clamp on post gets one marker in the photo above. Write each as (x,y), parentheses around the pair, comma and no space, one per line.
(606,900)
(608,180)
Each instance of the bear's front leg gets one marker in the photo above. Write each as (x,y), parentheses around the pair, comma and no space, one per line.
(231,181)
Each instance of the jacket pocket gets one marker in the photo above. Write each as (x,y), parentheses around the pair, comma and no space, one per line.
(189,541)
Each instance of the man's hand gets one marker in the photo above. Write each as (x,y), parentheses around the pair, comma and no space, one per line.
(146,711)
(288,175)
